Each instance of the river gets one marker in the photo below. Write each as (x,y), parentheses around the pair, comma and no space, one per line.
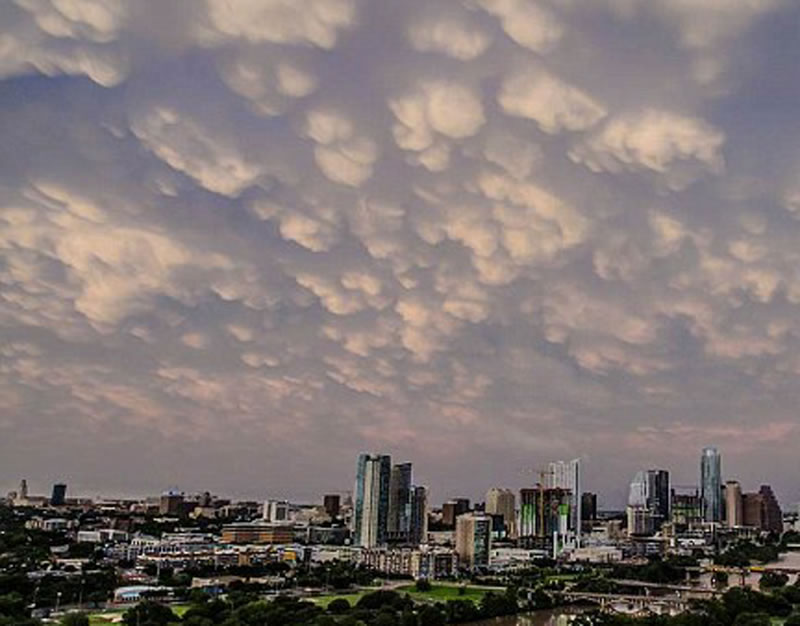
(554,617)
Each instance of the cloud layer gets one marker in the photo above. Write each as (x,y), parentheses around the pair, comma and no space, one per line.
(242,241)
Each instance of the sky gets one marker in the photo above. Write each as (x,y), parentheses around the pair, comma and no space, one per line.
(242,241)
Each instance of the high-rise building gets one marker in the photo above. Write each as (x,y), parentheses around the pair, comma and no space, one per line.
(773,516)
(398,521)
(753,510)
(658,494)
(640,521)
(544,512)
(452,509)
(637,491)
(419,515)
(711,484)
(331,502)
(276,511)
(734,515)
(473,540)
(59,495)
(171,503)
(502,502)
(649,494)
(567,476)
(687,508)
(588,506)
(372,499)
(527,512)
(23,490)
(639,512)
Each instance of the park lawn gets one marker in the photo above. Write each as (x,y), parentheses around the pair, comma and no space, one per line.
(324,601)
(442,593)
(104,618)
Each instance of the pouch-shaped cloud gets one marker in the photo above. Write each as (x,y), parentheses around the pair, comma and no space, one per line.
(189,147)
(270,87)
(676,148)
(527,23)
(449,35)
(343,155)
(431,115)
(113,269)
(72,37)
(315,22)
(550,102)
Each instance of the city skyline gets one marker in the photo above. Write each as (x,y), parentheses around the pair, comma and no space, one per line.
(243,242)
(392,487)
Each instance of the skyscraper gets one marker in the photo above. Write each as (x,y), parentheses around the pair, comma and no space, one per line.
(637,491)
(773,516)
(711,484)
(733,504)
(502,502)
(399,517)
(648,501)
(527,512)
(588,507)
(452,509)
(473,540)
(331,502)
(276,511)
(687,508)
(58,497)
(171,503)
(658,493)
(544,512)
(639,513)
(419,515)
(372,499)
(567,475)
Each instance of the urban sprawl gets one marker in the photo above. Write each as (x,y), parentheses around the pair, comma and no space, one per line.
(711,553)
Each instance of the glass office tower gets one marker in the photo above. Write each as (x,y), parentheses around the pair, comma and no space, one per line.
(711,484)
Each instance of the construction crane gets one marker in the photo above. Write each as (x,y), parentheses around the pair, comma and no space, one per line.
(542,474)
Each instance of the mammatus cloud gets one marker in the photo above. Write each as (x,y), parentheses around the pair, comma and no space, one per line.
(476,234)
(553,104)
(671,146)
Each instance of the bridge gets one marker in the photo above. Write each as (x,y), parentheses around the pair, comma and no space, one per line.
(698,592)
(629,604)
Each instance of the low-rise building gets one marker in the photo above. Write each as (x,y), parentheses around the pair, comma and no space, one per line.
(428,563)
(257,533)
(596,554)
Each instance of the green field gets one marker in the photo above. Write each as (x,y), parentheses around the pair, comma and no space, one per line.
(324,601)
(104,618)
(442,593)
(438,593)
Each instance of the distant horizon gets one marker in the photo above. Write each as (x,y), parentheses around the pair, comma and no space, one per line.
(242,241)
(435,502)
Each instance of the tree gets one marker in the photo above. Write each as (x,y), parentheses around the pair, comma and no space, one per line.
(752,619)
(460,611)
(386,617)
(423,586)
(75,619)
(339,606)
(431,615)
(773,580)
(149,613)
(793,620)
(380,598)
